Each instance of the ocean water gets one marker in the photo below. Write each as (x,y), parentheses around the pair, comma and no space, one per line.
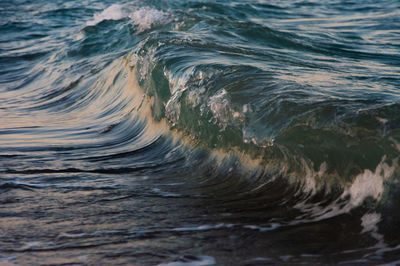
(199,132)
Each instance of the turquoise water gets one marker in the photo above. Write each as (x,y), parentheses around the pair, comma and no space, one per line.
(199,132)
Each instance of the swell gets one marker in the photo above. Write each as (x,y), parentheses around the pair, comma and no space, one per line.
(133,138)
(282,116)
(183,83)
(259,126)
(280,124)
(277,173)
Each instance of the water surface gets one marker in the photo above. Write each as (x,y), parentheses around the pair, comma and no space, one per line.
(199,132)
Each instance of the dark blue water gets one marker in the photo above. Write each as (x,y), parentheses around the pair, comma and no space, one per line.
(199,132)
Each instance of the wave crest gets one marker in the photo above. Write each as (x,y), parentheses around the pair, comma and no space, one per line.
(143,18)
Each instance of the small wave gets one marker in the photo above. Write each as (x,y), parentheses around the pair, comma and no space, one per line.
(161,193)
(204,227)
(36,245)
(144,18)
(15,185)
(7,259)
(32,186)
(113,12)
(192,261)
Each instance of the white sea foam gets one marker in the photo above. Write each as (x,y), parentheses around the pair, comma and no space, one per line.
(144,18)
(113,12)
(219,105)
(368,184)
(270,227)
(177,87)
(370,221)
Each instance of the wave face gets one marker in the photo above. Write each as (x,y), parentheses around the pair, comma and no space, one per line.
(199,132)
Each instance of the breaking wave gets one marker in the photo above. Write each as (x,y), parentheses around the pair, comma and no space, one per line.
(175,123)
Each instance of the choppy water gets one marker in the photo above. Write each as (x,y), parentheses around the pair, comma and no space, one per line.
(199,132)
